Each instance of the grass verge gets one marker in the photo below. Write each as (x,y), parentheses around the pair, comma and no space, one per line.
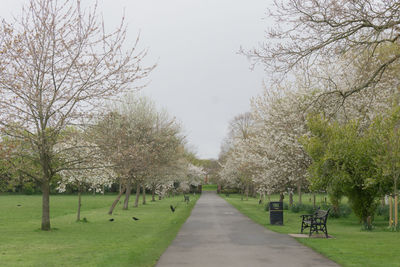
(98,242)
(351,245)
(209,187)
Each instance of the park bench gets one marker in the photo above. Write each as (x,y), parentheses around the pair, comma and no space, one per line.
(316,222)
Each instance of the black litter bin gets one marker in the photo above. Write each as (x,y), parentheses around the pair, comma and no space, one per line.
(276,213)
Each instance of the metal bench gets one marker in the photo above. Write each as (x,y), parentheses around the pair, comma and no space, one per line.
(316,222)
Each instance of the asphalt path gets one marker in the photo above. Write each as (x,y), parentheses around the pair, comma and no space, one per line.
(216,234)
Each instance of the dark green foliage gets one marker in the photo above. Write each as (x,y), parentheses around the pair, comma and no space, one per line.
(306,208)
(285,206)
(29,188)
(229,191)
(343,210)
(384,211)
(343,164)
(5,184)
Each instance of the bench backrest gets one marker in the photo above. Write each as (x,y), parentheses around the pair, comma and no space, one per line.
(322,214)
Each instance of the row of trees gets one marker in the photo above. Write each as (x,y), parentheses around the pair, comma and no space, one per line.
(67,117)
(328,119)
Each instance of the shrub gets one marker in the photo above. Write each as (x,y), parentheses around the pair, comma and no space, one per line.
(344,210)
(383,211)
(29,188)
(285,206)
(309,209)
(295,208)
(228,191)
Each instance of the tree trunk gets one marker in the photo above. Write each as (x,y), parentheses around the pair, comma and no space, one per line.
(395,202)
(153,195)
(137,195)
(290,198)
(314,201)
(335,200)
(281,196)
(396,210)
(78,216)
(121,192)
(390,211)
(127,195)
(46,206)
(144,194)
(159,197)
(299,191)
(369,223)
(247,192)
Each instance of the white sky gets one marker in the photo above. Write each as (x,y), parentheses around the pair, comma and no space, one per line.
(200,78)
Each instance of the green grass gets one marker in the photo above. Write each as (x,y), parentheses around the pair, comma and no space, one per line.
(209,187)
(351,246)
(99,242)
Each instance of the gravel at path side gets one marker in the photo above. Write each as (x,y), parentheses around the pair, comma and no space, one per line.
(216,234)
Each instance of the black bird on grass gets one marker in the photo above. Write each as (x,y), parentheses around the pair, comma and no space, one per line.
(111,220)
(19,205)
(259,202)
(172,208)
(136,219)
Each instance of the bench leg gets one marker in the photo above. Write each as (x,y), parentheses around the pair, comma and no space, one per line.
(326,231)
(304,226)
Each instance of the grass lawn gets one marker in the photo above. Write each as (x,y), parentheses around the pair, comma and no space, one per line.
(351,247)
(209,187)
(99,242)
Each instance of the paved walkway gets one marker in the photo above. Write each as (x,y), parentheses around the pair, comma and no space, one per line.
(216,234)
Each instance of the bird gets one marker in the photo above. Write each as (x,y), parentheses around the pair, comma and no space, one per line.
(172,208)
(260,201)
(111,220)
(19,205)
(136,219)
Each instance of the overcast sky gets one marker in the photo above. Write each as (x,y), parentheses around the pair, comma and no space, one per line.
(200,78)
